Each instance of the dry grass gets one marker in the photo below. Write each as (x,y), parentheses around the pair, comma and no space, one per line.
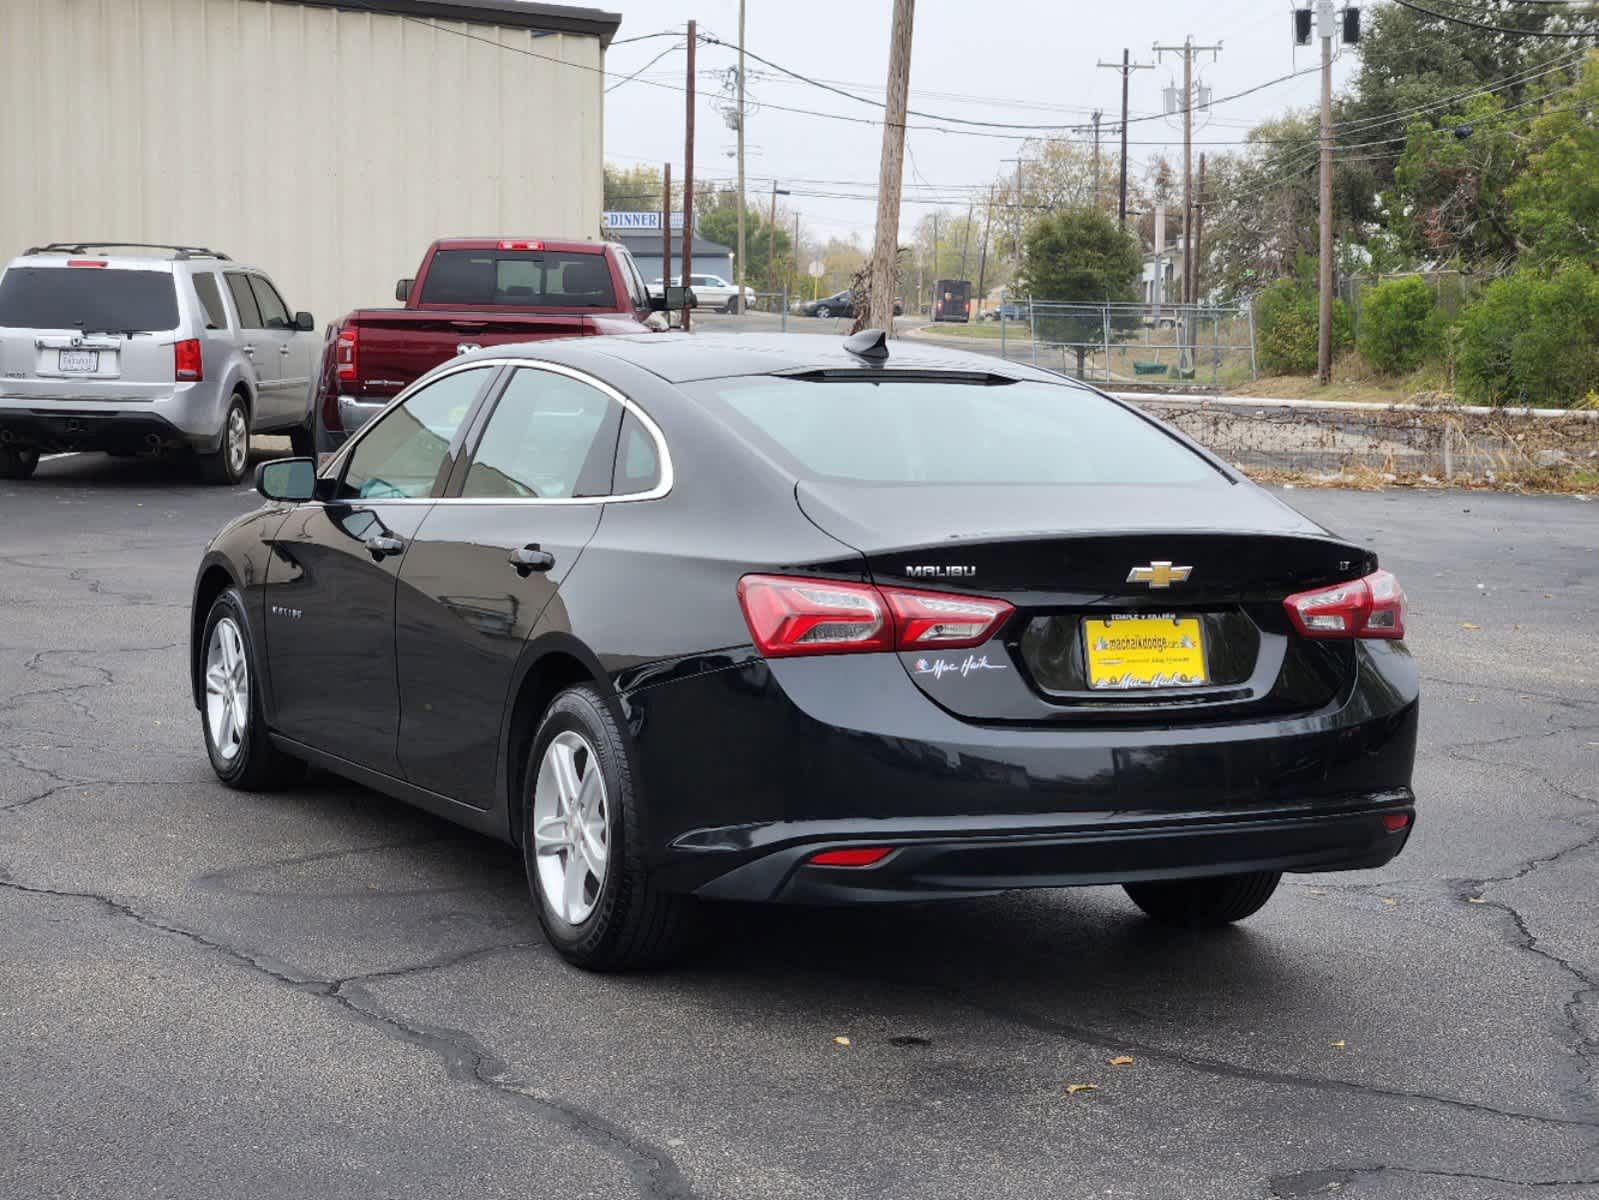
(1533,481)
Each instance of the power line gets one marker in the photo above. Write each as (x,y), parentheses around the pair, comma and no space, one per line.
(1467,21)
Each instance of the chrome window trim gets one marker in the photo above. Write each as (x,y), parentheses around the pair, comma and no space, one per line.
(336,467)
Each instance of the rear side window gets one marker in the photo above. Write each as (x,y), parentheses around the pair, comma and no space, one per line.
(638,466)
(205,287)
(890,431)
(91,299)
(244,301)
(515,278)
(551,438)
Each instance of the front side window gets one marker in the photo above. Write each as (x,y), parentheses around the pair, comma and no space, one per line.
(951,432)
(244,301)
(551,437)
(89,299)
(274,313)
(518,279)
(405,451)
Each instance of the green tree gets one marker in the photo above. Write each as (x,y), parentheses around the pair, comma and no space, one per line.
(1399,326)
(1532,338)
(717,212)
(1555,200)
(632,189)
(1288,322)
(1080,255)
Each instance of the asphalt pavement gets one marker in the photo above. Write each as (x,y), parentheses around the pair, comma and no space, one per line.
(325,993)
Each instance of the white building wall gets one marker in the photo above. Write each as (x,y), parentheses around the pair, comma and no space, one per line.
(327,146)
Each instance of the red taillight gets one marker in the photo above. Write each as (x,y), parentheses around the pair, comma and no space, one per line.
(87,262)
(187,366)
(516,245)
(1395,822)
(344,355)
(854,856)
(1373,607)
(790,616)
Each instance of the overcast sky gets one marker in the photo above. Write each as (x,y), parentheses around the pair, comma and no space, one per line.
(1013,61)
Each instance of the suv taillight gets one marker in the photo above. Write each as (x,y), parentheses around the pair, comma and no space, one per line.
(1372,607)
(187,366)
(344,356)
(791,616)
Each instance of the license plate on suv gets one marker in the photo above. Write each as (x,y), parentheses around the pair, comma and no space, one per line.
(1155,651)
(84,361)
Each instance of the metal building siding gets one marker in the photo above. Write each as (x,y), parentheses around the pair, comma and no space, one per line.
(328,146)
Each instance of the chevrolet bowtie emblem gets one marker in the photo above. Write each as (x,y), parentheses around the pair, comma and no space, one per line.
(1159,574)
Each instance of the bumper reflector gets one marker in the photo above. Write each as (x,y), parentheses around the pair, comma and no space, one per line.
(854,856)
(1394,822)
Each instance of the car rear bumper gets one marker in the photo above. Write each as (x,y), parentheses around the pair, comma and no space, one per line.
(747,768)
(60,428)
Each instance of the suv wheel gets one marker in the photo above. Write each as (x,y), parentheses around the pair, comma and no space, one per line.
(18,464)
(1205,903)
(228,462)
(583,845)
(235,732)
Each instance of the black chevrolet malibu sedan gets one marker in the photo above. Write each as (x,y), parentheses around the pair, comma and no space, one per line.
(799,619)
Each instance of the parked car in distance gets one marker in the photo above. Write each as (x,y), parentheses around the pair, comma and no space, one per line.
(804,620)
(1007,310)
(711,291)
(144,349)
(839,304)
(468,293)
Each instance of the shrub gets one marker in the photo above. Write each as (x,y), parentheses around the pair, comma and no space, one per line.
(1399,327)
(1287,325)
(1532,339)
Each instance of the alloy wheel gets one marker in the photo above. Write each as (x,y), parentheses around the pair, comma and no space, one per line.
(238,439)
(571,827)
(227,689)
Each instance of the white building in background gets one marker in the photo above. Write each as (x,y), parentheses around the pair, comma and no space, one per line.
(328,141)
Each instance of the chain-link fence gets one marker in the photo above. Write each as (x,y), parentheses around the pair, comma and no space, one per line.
(1451,290)
(1128,344)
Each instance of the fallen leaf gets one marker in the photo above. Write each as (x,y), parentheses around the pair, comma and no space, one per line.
(1317,891)
(1471,699)
(1338,1045)
(1475,900)
(1469,625)
(1122,1060)
(1073,1088)
(1390,901)
(1548,596)
(841,1040)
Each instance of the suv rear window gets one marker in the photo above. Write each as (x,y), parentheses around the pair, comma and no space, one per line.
(927,431)
(93,299)
(519,279)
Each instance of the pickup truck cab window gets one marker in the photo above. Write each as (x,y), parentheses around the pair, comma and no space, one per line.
(407,450)
(518,278)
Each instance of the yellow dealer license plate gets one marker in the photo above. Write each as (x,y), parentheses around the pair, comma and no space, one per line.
(1163,650)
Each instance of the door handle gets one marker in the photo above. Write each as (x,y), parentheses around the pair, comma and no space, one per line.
(381,545)
(529,559)
(284,350)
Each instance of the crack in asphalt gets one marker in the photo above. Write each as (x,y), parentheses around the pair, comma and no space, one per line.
(653,1169)
(1329,1179)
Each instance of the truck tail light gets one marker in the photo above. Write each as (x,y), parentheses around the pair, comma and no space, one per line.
(790,616)
(187,366)
(1372,607)
(519,245)
(346,355)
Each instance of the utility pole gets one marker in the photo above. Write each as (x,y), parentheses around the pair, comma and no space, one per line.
(1187,50)
(982,259)
(1126,67)
(688,170)
(891,172)
(935,248)
(1016,212)
(1326,20)
(1097,114)
(740,280)
(771,240)
(666,235)
(1199,226)
(966,240)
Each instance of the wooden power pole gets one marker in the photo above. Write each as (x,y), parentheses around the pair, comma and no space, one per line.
(666,235)
(1097,115)
(1324,332)
(740,277)
(1126,67)
(1199,227)
(688,170)
(891,173)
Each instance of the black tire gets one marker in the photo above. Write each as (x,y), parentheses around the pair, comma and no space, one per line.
(18,463)
(632,924)
(221,465)
(255,764)
(1205,903)
(302,440)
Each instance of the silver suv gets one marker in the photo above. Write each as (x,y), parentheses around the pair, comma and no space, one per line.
(141,349)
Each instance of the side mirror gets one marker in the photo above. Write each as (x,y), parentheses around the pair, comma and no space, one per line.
(675,300)
(402,290)
(291,479)
(304,322)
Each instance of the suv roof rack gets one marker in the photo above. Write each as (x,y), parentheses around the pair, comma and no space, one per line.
(179,252)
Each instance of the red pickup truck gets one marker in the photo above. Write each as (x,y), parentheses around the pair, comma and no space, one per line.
(472,292)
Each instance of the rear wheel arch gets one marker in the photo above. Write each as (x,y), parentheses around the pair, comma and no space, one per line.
(551,666)
(214,580)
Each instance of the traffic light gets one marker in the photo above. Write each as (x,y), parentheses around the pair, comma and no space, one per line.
(1351,26)
(1302,24)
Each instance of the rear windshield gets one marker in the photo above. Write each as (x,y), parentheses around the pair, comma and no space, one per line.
(879,431)
(518,278)
(93,299)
